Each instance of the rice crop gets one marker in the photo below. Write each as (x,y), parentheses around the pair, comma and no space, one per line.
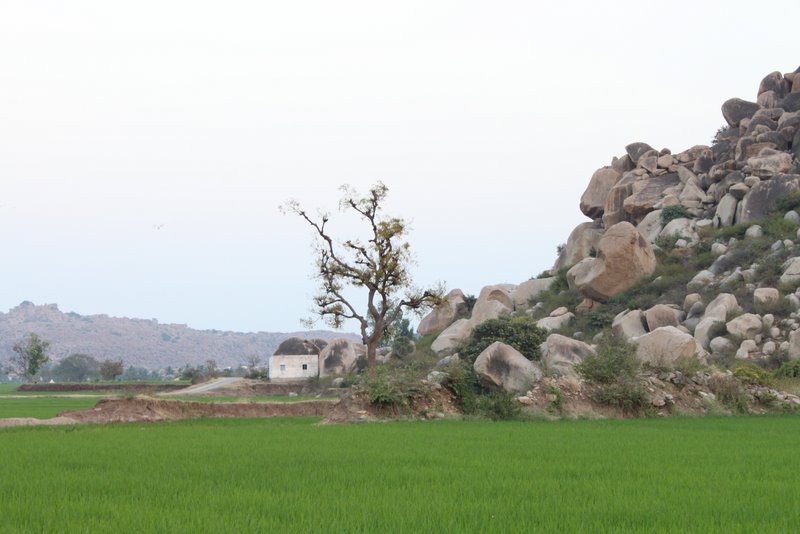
(289,475)
(42,407)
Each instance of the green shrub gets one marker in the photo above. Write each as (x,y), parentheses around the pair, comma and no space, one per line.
(737,231)
(729,391)
(463,382)
(666,242)
(389,389)
(614,358)
(790,369)
(402,346)
(688,365)
(558,402)
(470,301)
(717,329)
(499,406)
(519,332)
(625,393)
(770,267)
(790,202)
(749,373)
(776,227)
(671,213)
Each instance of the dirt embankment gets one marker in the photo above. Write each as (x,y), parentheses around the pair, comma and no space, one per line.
(149,409)
(111,388)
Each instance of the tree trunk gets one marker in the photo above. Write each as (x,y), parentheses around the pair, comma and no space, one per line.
(372,359)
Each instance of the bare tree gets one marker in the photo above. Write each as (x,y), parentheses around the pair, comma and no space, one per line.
(379,268)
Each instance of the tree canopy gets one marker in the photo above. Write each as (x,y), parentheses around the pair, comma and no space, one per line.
(378,268)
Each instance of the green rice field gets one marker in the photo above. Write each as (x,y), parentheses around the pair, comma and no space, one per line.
(290,475)
(42,407)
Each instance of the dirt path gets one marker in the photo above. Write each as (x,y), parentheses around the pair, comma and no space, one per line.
(205,387)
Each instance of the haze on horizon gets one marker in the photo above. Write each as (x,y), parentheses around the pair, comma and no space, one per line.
(146,146)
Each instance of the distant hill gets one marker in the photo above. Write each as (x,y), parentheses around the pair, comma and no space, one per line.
(138,342)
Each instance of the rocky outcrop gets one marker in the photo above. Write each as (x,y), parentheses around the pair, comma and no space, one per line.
(530,290)
(623,257)
(502,366)
(443,315)
(560,354)
(629,324)
(494,301)
(339,357)
(580,244)
(764,196)
(452,336)
(594,198)
(666,345)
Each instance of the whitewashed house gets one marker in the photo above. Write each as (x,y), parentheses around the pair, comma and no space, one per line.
(296,359)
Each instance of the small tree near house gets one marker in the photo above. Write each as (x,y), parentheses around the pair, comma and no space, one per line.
(377,268)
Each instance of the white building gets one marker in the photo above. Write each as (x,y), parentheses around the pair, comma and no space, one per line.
(295,360)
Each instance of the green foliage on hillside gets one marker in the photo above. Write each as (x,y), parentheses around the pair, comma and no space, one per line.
(614,368)
(520,332)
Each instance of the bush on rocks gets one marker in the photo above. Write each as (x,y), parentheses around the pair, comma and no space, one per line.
(519,332)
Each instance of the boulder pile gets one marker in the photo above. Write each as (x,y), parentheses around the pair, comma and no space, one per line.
(647,199)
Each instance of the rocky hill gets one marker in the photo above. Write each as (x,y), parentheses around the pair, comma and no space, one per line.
(138,342)
(689,255)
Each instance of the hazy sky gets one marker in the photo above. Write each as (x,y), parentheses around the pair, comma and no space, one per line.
(145,146)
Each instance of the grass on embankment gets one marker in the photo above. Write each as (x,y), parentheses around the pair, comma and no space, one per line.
(42,407)
(288,475)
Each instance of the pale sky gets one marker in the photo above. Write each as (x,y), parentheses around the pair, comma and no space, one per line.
(145,146)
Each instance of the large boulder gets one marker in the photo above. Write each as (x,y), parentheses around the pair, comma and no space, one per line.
(726,211)
(493,301)
(530,290)
(339,357)
(451,308)
(769,163)
(661,315)
(791,272)
(717,311)
(452,336)
(637,150)
(745,326)
(560,354)
(794,345)
(579,245)
(502,366)
(623,257)
(629,324)
(796,144)
(648,193)
(614,209)
(665,345)
(766,297)
(298,346)
(555,322)
(593,199)
(736,109)
(650,227)
(765,196)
